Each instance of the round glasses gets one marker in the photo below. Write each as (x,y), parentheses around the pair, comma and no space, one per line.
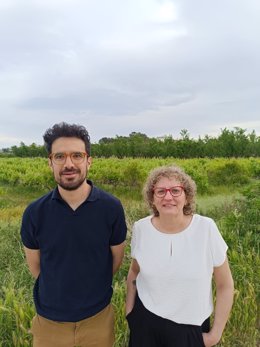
(61,157)
(175,191)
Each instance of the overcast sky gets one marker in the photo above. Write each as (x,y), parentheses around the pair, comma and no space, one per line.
(118,66)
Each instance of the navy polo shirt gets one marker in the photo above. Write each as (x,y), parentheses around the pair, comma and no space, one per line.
(75,280)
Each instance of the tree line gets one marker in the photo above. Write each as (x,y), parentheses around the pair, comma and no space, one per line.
(230,143)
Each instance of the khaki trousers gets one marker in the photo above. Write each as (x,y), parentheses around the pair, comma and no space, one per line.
(96,331)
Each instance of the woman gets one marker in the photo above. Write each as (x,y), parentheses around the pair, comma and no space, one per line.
(175,253)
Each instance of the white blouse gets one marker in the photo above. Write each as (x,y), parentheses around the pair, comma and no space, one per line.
(176,270)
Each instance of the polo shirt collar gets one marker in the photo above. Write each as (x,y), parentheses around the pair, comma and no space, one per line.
(93,196)
(94,193)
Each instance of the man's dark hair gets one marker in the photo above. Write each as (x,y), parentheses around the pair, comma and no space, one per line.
(66,130)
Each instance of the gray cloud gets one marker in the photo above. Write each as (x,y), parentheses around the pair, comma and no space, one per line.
(128,66)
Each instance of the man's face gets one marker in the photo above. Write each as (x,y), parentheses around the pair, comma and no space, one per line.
(69,175)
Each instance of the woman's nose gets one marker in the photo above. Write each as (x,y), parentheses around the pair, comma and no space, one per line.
(168,195)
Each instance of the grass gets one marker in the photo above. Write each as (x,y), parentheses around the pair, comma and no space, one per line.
(206,203)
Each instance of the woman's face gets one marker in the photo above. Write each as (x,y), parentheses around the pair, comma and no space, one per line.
(169,197)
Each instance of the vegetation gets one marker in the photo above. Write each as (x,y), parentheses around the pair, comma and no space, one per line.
(131,172)
(229,192)
(230,143)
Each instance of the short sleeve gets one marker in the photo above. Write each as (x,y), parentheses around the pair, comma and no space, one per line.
(28,231)
(217,245)
(119,227)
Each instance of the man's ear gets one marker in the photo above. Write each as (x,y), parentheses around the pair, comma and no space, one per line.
(89,161)
(50,164)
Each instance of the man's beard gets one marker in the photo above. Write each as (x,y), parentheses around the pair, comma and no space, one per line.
(70,185)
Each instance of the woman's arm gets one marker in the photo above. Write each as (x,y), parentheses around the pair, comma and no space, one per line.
(224,300)
(131,285)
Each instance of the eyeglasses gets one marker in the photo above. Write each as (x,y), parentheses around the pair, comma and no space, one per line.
(175,191)
(61,157)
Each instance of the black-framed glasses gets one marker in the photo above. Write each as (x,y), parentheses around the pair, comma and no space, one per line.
(60,158)
(175,191)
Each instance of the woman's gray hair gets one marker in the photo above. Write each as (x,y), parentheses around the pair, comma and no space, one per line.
(170,172)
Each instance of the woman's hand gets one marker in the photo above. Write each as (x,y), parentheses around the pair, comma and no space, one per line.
(131,286)
(210,339)
(128,310)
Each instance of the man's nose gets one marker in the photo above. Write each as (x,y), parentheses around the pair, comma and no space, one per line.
(68,161)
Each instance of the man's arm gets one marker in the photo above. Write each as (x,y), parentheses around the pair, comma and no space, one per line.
(33,260)
(117,254)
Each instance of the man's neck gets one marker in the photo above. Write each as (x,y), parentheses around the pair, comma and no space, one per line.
(75,198)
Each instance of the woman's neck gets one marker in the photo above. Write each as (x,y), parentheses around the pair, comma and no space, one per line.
(171,224)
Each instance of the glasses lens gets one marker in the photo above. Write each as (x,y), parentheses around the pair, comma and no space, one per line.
(160,192)
(59,158)
(77,157)
(176,191)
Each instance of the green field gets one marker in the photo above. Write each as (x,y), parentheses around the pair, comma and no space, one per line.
(228,191)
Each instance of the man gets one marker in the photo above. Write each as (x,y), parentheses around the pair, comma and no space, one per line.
(74,243)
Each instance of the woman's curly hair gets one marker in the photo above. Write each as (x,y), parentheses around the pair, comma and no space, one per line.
(170,172)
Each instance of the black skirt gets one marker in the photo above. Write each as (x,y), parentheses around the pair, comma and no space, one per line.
(149,330)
